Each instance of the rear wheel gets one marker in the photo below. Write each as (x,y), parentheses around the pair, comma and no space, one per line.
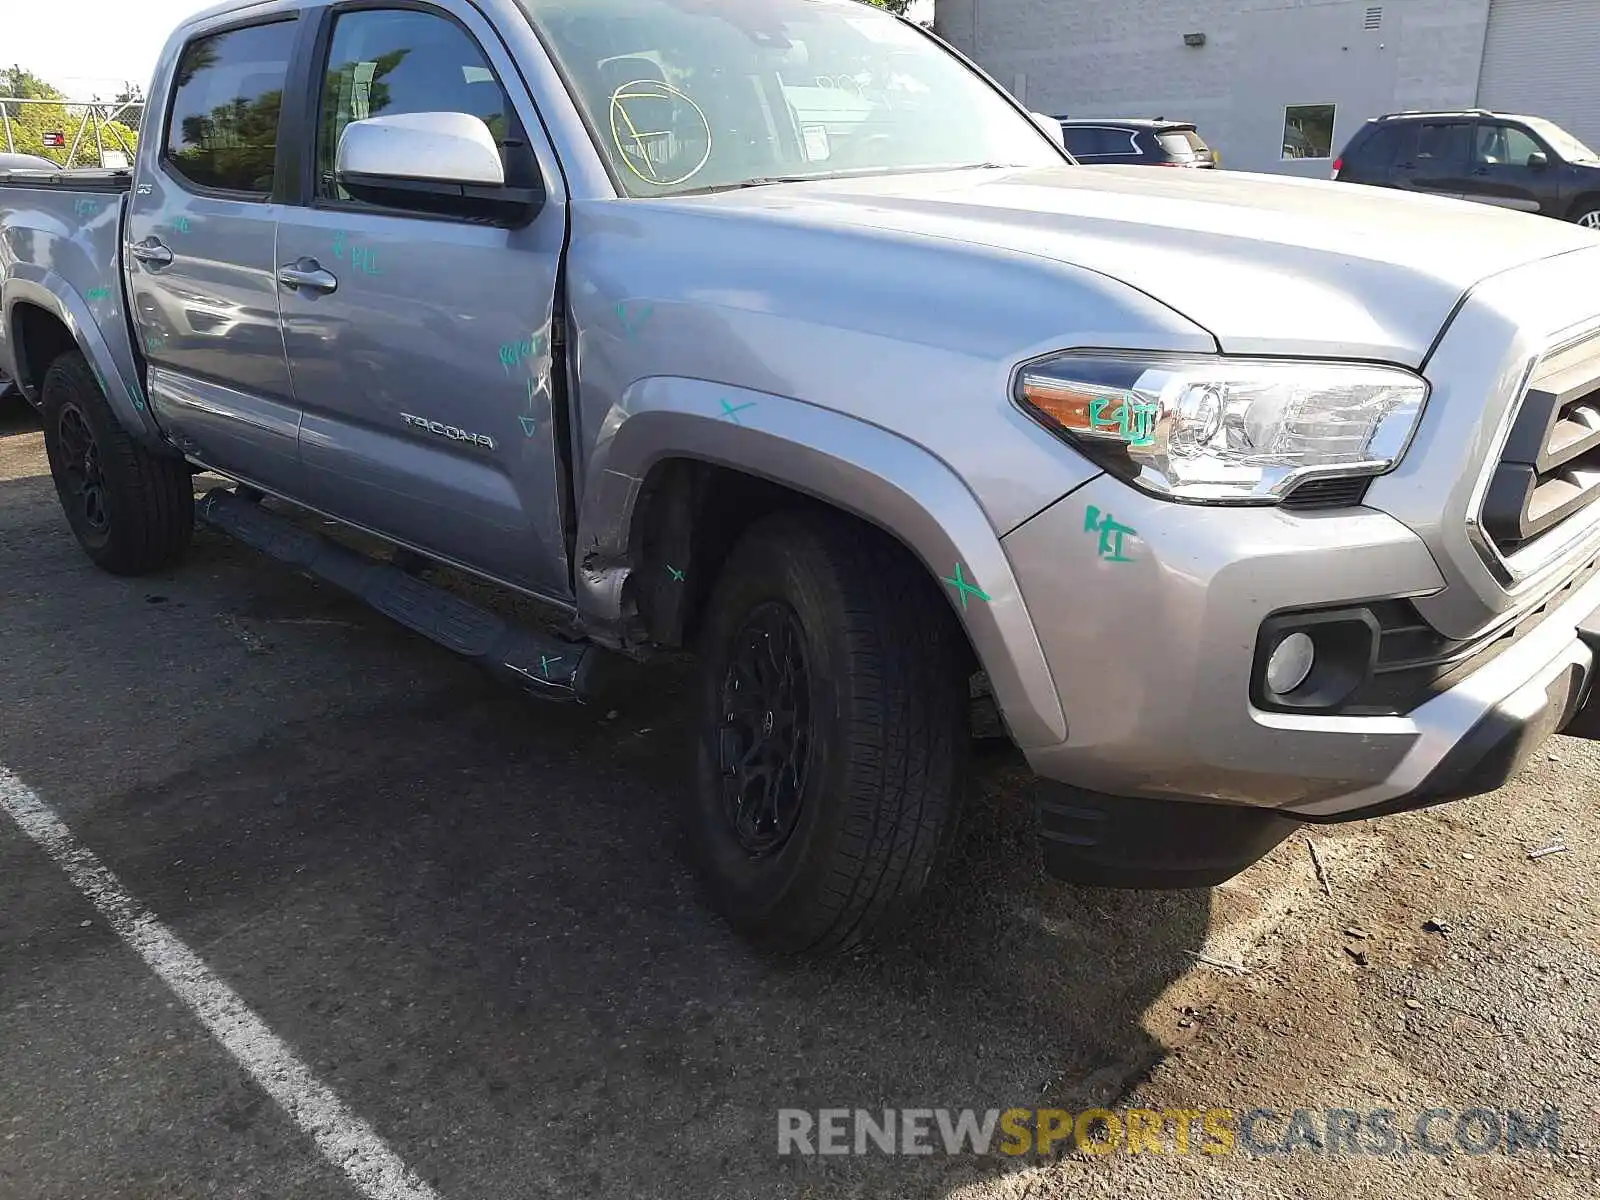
(132,511)
(833,735)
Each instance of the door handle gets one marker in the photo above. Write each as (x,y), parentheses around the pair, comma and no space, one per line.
(307,273)
(151,251)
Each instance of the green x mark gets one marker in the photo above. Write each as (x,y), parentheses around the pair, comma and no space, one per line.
(677,576)
(964,588)
(546,663)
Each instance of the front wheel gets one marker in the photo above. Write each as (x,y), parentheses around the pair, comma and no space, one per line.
(832,713)
(132,511)
(1588,217)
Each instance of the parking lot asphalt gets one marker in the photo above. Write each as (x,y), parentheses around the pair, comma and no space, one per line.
(467,916)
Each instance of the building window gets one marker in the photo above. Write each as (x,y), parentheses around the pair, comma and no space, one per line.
(1308,131)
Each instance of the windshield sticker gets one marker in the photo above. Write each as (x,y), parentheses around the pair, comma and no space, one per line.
(1111,534)
(966,587)
(648,130)
(817,148)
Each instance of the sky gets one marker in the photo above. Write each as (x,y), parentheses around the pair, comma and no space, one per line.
(88,47)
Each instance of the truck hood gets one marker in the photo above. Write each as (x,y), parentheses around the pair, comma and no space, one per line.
(1266,264)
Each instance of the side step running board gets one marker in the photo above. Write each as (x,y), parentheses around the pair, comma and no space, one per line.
(541,663)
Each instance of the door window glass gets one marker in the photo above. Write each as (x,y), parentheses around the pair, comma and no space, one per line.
(386,62)
(223,129)
(1443,144)
(1504,145)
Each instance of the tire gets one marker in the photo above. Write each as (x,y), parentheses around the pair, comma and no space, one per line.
(872,733)
(131,511)
(1588,216)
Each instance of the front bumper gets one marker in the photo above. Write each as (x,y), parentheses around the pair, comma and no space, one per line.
(1153,648)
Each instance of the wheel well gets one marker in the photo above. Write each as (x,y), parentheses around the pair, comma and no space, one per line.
(39,337)
(1583,203)
(688,517)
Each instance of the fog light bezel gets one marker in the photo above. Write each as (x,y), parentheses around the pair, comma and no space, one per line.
(1344,644)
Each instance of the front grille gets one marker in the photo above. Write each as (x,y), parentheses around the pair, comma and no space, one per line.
(1550,468)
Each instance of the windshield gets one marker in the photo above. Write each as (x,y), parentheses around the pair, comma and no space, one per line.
(1562,142)
(692,95)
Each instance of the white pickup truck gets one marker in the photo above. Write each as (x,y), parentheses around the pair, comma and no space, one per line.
(775,330)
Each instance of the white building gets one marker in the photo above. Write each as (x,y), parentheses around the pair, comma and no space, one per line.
(1260,76)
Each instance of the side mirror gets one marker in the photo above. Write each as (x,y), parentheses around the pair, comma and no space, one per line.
(1538,160)
(1051,127)
(443,162)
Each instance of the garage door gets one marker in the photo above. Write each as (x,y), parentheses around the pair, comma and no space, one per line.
(1542,58)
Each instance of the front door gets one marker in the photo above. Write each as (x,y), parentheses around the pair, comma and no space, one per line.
(199,248)
(1501,174)
(420,350)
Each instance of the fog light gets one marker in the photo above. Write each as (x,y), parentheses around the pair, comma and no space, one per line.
(1290,663)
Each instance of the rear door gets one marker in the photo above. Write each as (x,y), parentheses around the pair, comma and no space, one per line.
(1500,173)
(423,360)
(199,250)
(1433,157)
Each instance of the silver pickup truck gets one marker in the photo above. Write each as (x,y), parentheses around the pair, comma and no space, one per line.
(775,330)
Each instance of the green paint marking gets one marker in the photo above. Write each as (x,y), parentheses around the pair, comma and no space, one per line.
(181,225)
(730,413)
(965,588)
(1135,420)
(529,426)
(546,663)
(338,244)
(677,576)
(631,326)
(1111,534)
(99,293)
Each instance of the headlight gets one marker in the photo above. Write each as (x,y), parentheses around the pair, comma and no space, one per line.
(1224,430)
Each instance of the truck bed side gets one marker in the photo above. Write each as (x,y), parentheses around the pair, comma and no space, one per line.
(61,284)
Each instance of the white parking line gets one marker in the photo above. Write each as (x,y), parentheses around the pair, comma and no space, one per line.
(345,1140)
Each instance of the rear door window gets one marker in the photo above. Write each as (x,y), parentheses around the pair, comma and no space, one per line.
(1098,141)
(222,131)
(1443,144)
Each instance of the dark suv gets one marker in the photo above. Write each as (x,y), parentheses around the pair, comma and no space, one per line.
(1526,163)
(1156,143)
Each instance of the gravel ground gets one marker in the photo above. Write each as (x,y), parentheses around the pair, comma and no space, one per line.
(468,916)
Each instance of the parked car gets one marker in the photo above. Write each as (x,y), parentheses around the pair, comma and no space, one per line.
(1150,143)
(1524,163)
(1243,510)
(26,162)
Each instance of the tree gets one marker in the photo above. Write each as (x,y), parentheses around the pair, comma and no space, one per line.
(30,122)
(898,7)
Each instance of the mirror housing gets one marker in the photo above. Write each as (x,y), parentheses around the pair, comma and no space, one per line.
(441,162)
(1538,160)
(1052,129)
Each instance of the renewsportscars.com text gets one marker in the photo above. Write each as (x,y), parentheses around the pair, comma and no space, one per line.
(1381,1132)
